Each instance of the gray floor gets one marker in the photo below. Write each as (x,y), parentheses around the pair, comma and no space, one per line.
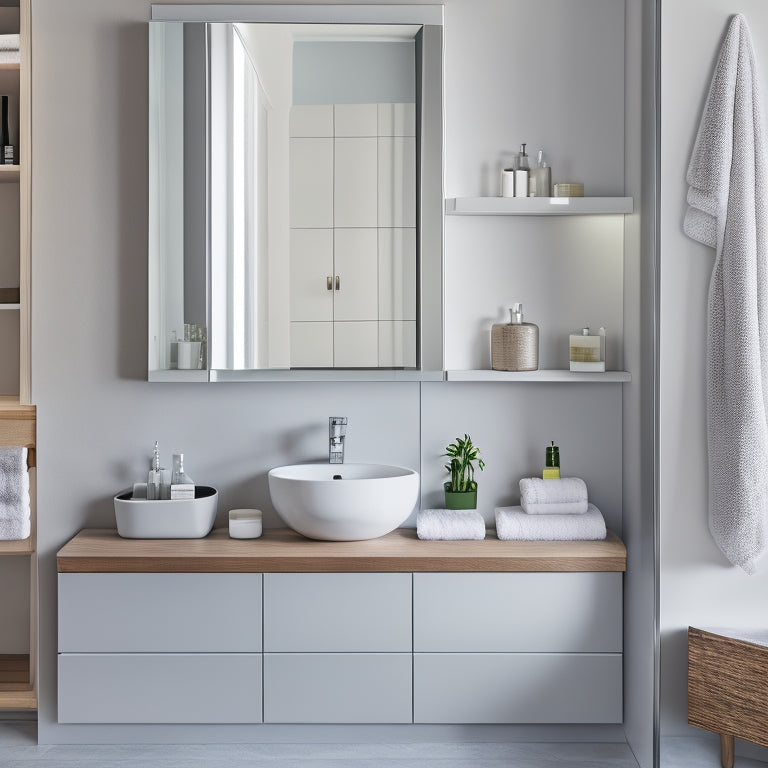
(18,749)
(702,752)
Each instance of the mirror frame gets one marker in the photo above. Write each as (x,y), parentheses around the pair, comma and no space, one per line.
(430,178)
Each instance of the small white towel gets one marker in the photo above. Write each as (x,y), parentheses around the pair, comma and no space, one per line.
(14,494)
(728,199)
(9,42)
(514,524)
(566,496)
(10,57)
(450,524)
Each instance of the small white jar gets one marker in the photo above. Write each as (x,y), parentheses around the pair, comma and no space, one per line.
(245,523)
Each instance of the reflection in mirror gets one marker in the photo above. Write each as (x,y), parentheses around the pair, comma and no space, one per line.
(284,196)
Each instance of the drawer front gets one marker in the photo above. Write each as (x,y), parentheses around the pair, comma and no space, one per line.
(337,688)
(159,612)
(517,612)
(517,688)
(160,688)
(337,612)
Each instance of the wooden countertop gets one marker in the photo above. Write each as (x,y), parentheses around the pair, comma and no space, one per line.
(281,550)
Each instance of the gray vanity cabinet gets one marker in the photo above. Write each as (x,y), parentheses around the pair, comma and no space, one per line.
(159,648)
(337,648)
(517,647)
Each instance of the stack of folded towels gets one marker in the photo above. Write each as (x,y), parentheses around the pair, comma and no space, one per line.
(551,510)
(450,524)
(14,494)
(9,49)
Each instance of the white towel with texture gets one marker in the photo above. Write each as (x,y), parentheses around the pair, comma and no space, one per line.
(14,494)
(10,57)
(566,496)
(728,211)
(514,524)
(9,42)
(450,524)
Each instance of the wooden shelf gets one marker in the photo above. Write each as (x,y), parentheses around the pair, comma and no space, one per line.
(23,547)
(13,66)
(16,691)
(9,173)
(281,550)
(560,376)
(537,206)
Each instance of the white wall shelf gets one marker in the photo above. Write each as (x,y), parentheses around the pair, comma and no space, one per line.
(562,376)
(537,206)
(10,306)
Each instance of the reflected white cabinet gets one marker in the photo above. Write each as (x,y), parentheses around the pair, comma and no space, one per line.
(353,253)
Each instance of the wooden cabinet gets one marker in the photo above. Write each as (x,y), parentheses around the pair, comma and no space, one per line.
(433,632)
(18,671)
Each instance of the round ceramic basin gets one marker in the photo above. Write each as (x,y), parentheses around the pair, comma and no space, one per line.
(343,502)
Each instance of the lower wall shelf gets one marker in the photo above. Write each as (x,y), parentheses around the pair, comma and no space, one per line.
(16,691)
(556,375)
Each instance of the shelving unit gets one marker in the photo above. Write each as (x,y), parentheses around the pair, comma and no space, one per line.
(18,418)
(537,206)
(541,376)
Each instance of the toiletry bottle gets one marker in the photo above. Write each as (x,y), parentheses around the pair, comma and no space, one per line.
(585,351)
(552,463)
(522,173)
(541,178)
(154,478)
(515,346)
(6,148)
(182,485)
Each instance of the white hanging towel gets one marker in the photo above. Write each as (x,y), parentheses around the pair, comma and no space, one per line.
(729,212)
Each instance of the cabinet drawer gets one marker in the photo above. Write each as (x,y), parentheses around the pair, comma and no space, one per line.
(160,688)
(159,612)
(517,688)
(517,612)
(355,612)
(337,688)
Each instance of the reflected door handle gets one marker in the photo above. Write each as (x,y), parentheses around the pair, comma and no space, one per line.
(338,282)
(329,283)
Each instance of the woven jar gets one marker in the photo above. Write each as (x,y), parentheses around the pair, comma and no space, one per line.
(515,345)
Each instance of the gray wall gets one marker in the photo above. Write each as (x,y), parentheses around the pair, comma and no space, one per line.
(97,415)
(354,72)
(698,585)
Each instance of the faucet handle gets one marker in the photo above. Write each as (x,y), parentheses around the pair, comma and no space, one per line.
(337,426)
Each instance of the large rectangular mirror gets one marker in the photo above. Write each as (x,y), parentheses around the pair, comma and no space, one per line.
(295,192)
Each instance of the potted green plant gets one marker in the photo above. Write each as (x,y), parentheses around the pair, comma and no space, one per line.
(461,489)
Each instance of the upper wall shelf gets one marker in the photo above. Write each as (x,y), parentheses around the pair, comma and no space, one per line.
(12,66)
(537,206)
(571,377)
(9,173)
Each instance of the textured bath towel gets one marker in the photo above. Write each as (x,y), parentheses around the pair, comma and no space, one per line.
(729,212)
(9,42)
(10,57)
(14,494)
(450,524)
(566,496)
(514,524)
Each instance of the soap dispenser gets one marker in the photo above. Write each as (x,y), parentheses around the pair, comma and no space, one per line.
(522,172)
(155,476)
(515,345)
(541,177)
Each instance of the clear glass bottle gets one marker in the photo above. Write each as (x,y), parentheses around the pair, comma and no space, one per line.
(179,476)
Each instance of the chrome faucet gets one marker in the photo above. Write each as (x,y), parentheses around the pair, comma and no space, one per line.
(337,429)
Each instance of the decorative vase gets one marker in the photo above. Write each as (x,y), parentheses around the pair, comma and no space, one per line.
(460,499)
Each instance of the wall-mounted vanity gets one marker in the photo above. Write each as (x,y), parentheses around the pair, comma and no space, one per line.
(296,192)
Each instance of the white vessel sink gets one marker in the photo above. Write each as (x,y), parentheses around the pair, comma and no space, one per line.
(343,502)
(165,519)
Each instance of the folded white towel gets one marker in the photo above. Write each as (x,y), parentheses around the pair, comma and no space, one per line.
(14,494)
(9,42)
(566,496)
(450,524)
(10,57)
(514,524)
